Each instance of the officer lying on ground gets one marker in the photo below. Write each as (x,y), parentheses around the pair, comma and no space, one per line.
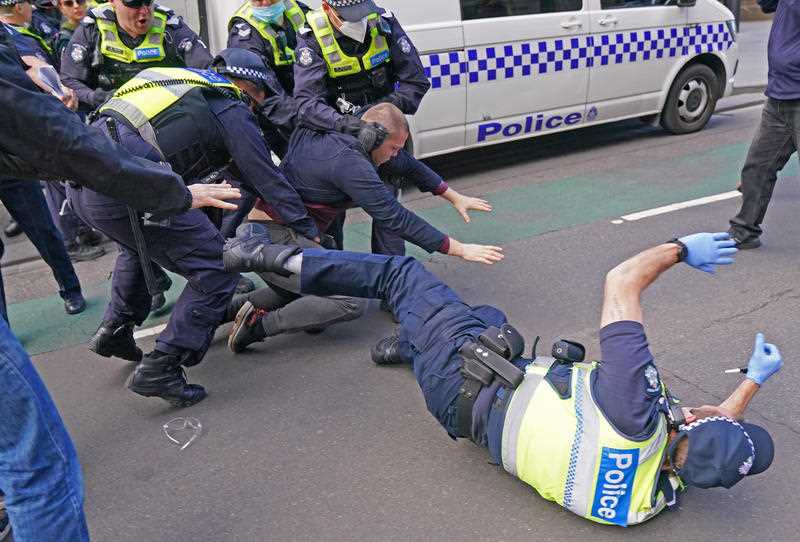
(601,439)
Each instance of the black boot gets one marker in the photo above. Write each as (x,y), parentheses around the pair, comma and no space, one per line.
(252,250)
(12,229)
(161,375)
(386,352)
(247,328)
(115,339)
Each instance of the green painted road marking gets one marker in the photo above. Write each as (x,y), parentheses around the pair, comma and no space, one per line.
(519,213)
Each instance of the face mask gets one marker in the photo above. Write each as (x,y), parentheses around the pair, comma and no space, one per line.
(270,14)
(356,30)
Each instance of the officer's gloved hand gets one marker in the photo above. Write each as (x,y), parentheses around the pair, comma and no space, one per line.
(101,96)
(705,250)
(765,361)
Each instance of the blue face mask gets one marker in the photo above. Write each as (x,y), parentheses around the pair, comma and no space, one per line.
(270,14)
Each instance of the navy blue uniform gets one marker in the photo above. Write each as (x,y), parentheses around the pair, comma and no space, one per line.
(189,244)
(30,46)
(331,172)
(46,23)
(435,323)
(312,84)
(87,72)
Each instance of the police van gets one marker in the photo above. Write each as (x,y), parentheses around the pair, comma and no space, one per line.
(502,70)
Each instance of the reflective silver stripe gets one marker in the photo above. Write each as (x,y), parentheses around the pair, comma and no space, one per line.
(516,412)
(655,446)
(583,460)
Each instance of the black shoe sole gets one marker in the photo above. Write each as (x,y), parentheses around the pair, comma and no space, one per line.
(239,324)
(100,350)
(167,396)
(748,245)
(75,310)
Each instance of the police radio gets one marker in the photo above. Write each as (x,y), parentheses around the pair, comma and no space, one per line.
(568,352)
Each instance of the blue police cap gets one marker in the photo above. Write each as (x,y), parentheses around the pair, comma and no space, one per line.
(245,64)
(353,10)
(4,3)
(722,451)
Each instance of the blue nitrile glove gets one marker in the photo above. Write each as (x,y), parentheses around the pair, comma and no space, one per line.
(705,250)
(765,361)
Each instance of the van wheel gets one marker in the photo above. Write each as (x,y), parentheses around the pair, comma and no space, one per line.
(691,100)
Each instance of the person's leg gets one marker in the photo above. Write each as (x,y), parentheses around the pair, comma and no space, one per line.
(25,202)
(771,148)
(384,241)
(63,216)
(130,300)
(39,471)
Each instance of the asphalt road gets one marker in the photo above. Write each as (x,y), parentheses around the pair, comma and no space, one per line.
(304,439)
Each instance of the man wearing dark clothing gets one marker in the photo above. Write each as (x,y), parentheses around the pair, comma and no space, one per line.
(778,135)
(597,438)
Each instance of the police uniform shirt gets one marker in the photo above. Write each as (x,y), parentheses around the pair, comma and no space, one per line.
(29,46)
(311,74)
(46,23)
(333,169)
(182,45)
(243,36)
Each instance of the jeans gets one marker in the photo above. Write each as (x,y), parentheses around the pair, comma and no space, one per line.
(775,142)
(39,471)
(26,204)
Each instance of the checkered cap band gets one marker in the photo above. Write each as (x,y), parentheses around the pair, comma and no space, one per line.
(540,58)
(244,73)
(4,3)
(344,3)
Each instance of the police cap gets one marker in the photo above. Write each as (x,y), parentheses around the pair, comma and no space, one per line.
(722,451)
(239,63)
(353,10)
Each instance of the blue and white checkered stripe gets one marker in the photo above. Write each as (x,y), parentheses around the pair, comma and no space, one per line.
(526,59)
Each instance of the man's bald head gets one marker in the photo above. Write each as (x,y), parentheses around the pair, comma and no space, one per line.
(388,116)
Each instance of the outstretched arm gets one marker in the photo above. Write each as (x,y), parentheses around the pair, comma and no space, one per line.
(626,282)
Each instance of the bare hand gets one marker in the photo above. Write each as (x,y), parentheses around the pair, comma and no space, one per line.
(467,203)
(485,254)
(212,195)
(69,98)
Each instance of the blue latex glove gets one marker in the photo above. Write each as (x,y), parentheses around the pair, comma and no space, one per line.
(705,250)
(765,361)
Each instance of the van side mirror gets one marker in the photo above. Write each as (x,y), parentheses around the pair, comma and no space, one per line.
(685,3)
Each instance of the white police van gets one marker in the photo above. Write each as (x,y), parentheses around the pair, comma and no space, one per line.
(507,69)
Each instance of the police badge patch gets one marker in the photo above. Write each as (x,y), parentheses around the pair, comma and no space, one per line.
(651,374)
(185,45)
(243,29)
(405,45)
(304,56)
(78,53)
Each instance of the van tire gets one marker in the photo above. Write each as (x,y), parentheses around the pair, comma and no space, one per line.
(691,100)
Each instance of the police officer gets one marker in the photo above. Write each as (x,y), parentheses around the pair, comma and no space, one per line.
(333,171)
(46,19)
(120,38)
(354,55)
(195,121)
(18,14)
(269,28)
(72,12)
(601,439)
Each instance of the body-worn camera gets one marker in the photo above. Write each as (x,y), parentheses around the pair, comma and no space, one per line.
(568,351)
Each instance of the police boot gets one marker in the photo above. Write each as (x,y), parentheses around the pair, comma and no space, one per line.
(115,339)
(161,375)
(387,351)
(252,250)
(247,328)
(12,229)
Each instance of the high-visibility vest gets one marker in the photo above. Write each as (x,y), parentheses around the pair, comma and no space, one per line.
(150,50)
(338,63)
(568,451)
(153,91)
(26,32)
(283,56)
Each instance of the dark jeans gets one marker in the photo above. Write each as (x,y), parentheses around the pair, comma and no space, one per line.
(26,204)
(290,312)
(775,142)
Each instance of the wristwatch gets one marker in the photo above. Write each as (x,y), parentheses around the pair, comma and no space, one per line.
(684,251)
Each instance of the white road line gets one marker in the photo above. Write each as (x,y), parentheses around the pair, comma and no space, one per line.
(677,206)
(149,331)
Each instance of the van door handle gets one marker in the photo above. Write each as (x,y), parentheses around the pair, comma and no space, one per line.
(571,24)
(607,20)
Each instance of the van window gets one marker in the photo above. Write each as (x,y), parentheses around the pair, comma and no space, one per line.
(617,4)
(486,9)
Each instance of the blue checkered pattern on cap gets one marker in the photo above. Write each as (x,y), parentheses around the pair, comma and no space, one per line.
(248,73)
(536,58)
(10,2)
(344,3)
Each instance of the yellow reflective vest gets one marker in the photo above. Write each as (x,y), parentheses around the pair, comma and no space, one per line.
(338,63)
(26,32)
(150,50)
(283,56)
(568,451)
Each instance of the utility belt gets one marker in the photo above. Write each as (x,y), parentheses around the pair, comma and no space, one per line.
(488,360)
